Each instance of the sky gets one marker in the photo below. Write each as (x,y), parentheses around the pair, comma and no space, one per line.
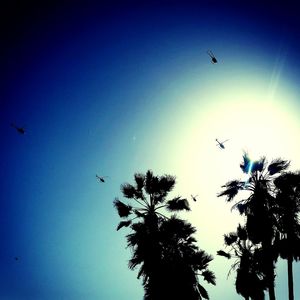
(113,88)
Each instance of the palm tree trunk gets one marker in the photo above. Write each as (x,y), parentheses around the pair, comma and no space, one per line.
(270,274)
(272,292)
(271,280)
(290,277)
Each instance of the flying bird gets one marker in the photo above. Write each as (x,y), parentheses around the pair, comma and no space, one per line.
(212,56)
(101,178)
(221,144)
(21,130)
(194,197)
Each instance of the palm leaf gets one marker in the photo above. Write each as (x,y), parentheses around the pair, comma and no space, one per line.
(231,189)
(148,182)
(139,180)
(138,213)
(201,259)
(167,183)
(259,165)
(202,291)
(245,165)
(128,190)
(123,224)
(230,238)
(242,233)
(209,276)
(241,207)
(223,253)
(177,204)
(123,209)
(278,165)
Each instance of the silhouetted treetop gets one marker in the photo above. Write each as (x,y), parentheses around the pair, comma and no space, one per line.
(163,247)
(149,196)
(260,207)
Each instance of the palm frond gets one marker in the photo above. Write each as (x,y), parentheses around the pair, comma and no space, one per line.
(149,182)
(209,276)
(231,189)
(230,238)
(246,163)
(259,165)
(223,253)
(123,210)
(133,262)
(242,233)
(139,180)
(202,291)
(123,224)
(287,180)
(201,259)
(141,272)
(138,213)
(241,207)
(249,166)
(277,166)
(177,204)
(191,240)
(181,228)
(128,190)
(167,183)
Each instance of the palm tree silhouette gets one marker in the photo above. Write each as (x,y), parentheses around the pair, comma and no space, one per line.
(259,207)
(176,276)
(288,239)
(149,208)
(250,279)
(163,247)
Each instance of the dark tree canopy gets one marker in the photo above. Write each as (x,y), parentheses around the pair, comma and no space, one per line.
(163,246)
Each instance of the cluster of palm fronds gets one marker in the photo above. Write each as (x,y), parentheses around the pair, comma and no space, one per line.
(272,226)
(163,246)
(165,250)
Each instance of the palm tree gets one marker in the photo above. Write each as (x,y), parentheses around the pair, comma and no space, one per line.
(258,207)
(162,246)
(181,262)
(288,238)
(157,189)
(250,279)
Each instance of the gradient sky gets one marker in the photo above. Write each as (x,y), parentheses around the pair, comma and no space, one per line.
(122,87)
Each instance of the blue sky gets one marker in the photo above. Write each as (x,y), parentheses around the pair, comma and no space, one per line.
(120,88)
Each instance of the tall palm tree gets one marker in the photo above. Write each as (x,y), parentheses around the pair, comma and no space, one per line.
(288,239)
(258,207)
(250,279)
(162,246)
(181,262)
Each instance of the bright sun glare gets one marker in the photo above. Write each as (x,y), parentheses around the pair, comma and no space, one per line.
(253,122)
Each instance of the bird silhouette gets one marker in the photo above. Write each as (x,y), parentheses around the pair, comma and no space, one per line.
(101,178)
(221,144)
(212,56)
(21,130)
(194,197)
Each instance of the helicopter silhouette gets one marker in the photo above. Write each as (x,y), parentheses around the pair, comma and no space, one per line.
(221,144)
(101,178)
(21,130)
(212,56)
(194,197)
